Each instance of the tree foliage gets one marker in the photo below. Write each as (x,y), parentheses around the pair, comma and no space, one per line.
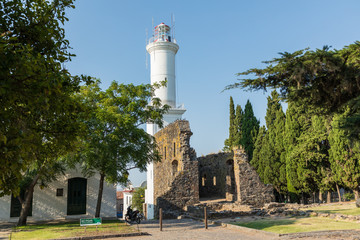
(115,142)
(316,84)
(344,156)
(238,126)
(275,122)
(243,128)
(311,154)
(259,160)
(229,142)
(37,111)
(269,153)
(324,79)
(138,199)
(249,129)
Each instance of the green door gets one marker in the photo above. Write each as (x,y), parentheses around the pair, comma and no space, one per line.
(76,203)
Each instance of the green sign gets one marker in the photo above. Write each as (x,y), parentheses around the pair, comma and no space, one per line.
(90,221)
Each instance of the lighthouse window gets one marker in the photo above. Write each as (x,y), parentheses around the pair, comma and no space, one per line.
(164,152)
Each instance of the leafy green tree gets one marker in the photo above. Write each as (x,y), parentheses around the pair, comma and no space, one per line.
(138,199)
(38,113)
(229,142)
(115,142)
(250,128)
(310,156)
(344,156)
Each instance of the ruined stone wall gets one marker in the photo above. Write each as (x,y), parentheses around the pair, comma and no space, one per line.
(212,174)
(249,188)
(176,176)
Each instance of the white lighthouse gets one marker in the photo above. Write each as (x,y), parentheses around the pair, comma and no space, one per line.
(162,48)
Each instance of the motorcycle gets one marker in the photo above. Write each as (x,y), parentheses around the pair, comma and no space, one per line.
(133,216)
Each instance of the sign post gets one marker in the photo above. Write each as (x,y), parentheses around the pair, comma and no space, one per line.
(90,221)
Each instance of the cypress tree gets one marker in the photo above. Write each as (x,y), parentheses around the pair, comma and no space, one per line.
(229,143)
(258,159)
(275,171)
(344,156)
(238,125)
(294,125)
(249,129)
(269,150)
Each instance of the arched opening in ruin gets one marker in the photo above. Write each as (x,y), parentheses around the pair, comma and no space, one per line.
(174,165)
(230,181)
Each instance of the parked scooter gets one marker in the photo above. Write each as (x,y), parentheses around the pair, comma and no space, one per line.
(133,216)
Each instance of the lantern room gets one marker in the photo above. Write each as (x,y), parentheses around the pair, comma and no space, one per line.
(162,33)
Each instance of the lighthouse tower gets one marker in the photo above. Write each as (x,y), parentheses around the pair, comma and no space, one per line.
(162,48)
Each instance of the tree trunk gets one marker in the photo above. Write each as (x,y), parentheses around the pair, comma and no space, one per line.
(280,197)
(302,198)
(101,188)
(25,203)
(356,193)
(320,197)
(314,197)
(328,197)
(338,192)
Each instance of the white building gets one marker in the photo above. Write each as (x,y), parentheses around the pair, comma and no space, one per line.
(71,197)
(162,48)
(127,200)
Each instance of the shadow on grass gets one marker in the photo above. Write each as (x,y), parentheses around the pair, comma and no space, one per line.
(262,224)
(342,211)
(61,226)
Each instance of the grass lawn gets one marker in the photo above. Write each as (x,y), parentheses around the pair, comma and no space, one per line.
(345,208)
(73,229)
(294,225)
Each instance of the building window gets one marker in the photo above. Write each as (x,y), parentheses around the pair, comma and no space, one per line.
(174,149)
(164,152)
(214,180)
(203,180)
(175,166)
(59,192)
(128,200)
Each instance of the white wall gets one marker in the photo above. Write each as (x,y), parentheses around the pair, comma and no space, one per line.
(5,208)
(127,202)
(48,206)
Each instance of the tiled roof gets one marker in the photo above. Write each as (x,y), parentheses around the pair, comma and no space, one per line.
(119,195)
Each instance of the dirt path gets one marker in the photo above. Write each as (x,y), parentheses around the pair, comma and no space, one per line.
(5,230)
(190,229)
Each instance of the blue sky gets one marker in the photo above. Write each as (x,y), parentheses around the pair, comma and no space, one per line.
(217,39)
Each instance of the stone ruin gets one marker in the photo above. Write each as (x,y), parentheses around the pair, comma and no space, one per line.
(181,179)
